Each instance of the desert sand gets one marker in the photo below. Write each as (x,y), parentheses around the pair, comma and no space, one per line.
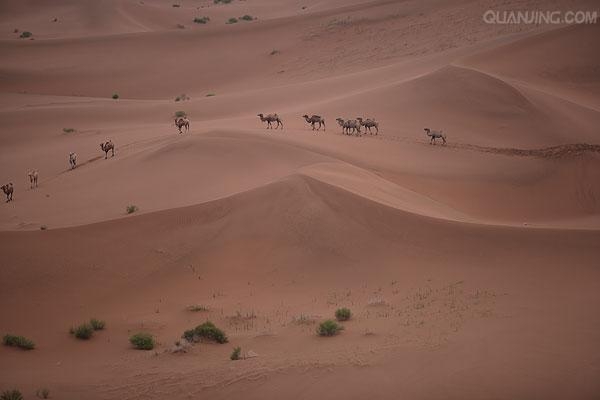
(472,269)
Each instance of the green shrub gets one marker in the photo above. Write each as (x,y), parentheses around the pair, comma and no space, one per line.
(83,331)
(131,209)
(43,227)
(247,18)
(68,130)
(236,354)
(201,20)
(197,308)
(210,94)
(142,341)
(343,314)
(329,328)
(97,324)
(26,34)
(222,1)
(275,52)
(232,20)
(18,341)
(180,114)
(207,331)
(11,395)
(43,393)
(176,5)
(115,96)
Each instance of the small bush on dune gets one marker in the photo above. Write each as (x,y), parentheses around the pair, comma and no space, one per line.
(115,96)
(26,34)
(83,331)
(43,393)
(343,314)
(68,130)
(201,20)
(207,331)
(131,209)
(197,308)
(329,328)
(210,94)
(236,354)
(222,1)
(97,324)
(176,5)
(180,114)
(18,341)
(232,20)
(247,18)
(142,341)
(11,395)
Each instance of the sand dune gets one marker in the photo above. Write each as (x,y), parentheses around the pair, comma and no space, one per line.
(470,268)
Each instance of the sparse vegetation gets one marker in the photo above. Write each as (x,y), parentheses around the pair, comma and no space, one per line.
(115,96)
(97,324)
(210,94)
(180,26)
(83,331)
(43,227)
(11,395)
(247,18)
(197,308)
(222,1)
(232,20)
(236,354)
(177,5)
(142,341)
(18,341)
(329,328)
(201,20)
(343,314)
(131,209)
(182,97)
(180,114)
(26,34)
(207,331)
(275,52)
(68,130)
(43,393)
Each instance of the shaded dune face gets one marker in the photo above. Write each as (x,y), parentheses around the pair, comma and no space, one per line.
(470,268)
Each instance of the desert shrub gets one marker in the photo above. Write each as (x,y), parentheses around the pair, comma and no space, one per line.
(236,354)
(343,314)
(43,227)
(68,130)
(197,308)
(222,1)
(329,328)
(97,324)
(232,20)
(131,209)
(275,52)
(210,94)
(43,393)
(201,20)
(26,34)
(11,395)
(180,114)
(115,96)
(176,5)
(180,26)
(18,341)
(83,331)
(207,331)
(142,341)
(247,18)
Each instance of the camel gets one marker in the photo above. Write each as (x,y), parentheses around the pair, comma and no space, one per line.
(106,147)
(368,124)
(269,119)
(435,135)
(8,191)
(182,122)
(72,160)
(314,119)
(33,178)
(349,125)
